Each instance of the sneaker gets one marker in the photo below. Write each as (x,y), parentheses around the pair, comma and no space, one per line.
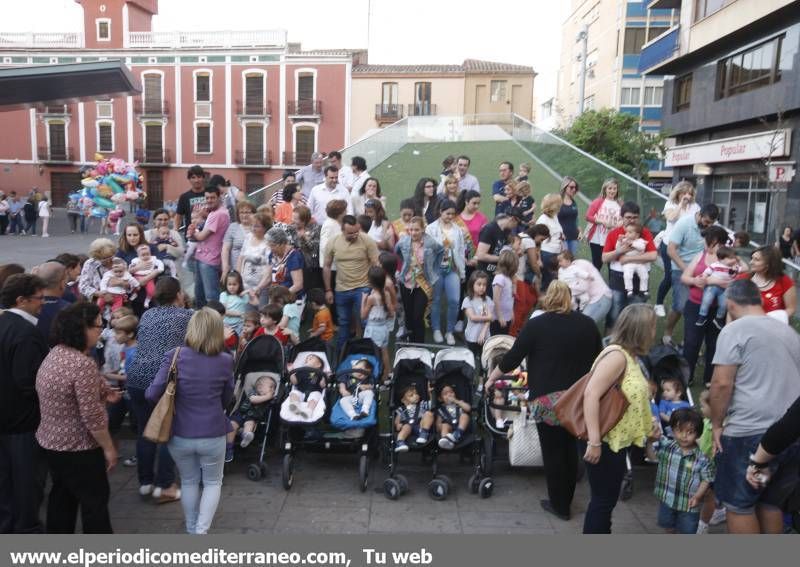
(401,447)
(247,438)
(450,339)
(719,516)
(702,528)
(455,436)
(646,294)
(422,439)
(129,462)
(228,453)
(145,490)
(719,323)
(660,311)
(446,444)
(459,328)
(437,337)
(170,494)
(629,294)
(701,321)
(45,236)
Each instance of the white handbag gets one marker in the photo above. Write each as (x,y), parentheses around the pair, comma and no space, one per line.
(523,442)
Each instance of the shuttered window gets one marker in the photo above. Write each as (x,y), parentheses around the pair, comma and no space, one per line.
(202,138)
(105,137)
(203,87)
(254,143)
(304,145)
(254,94)
(152,93)
(58,140)
(153,143)
(305,94)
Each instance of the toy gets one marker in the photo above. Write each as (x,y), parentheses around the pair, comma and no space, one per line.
(108,183)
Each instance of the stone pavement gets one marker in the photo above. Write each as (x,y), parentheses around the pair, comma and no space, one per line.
(325,499)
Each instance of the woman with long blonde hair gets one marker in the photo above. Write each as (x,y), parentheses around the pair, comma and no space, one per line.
(603,216)
(554,244)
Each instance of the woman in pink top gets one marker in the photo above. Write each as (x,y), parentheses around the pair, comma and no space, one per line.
(603,216)
(469,204)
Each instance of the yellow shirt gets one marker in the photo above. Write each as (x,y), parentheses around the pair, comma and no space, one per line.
(637,421)
(353,260)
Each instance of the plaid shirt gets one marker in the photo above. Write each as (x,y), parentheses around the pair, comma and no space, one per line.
(679,475)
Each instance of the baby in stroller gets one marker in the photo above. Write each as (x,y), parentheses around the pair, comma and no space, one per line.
(414,415)
(356,390)
(452,418)
(252,409)
(308,385)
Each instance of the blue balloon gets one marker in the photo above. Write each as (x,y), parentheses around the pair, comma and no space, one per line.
(99,213)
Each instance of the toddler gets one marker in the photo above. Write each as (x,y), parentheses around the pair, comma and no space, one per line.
(524,172)
(356,390)
(270,319)
(322,325)
(478,310)
(414,416)
(452,418)
(117,282)
(577,280)
(377,308)
(633,237)
(503,285)
(726,268)
(523,200)
(252,410)
(234,301)
(709,514)
(307,387)
(292,310)
(672,394)
(124,340)
(250,325)
(684,474)
(163,242)
(199,215)
(145,266)
(509,393)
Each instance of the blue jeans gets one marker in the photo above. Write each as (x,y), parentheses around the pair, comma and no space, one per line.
(201,459)
(598,310)
(619,298)
(666,283)
(711,294)
(451,284)
(680,522)
(680,291)
(572,246)
(206,283)
(16,225)
(347,302)
(730,486)
(146,450)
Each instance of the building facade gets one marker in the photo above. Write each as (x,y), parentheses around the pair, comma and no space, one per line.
(244,104)
(732,102)
(383,94)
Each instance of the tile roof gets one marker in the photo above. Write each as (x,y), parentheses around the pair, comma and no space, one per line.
(469,66)
(478,66)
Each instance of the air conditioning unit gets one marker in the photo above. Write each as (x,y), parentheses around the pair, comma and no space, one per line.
(202,110)
(105,110)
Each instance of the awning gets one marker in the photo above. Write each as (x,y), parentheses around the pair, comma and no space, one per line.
(24,87)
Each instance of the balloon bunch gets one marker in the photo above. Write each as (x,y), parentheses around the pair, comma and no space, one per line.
(107,184)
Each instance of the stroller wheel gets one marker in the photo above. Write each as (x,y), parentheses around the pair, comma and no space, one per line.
(438,489)
(446,480)
(391,489)
(254,472)
(486,487)
(474,483)
(263,468)
(403,483)
(288,471)
(363,472)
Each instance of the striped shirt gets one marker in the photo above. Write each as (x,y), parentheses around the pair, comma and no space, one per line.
(679,475)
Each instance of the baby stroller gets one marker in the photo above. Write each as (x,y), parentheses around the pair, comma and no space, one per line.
(316,433)
(502,403)
(455,367)
(263,356)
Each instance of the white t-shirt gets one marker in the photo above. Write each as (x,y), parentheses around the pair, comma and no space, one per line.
(670,206)
(609,211)
(44,208)
(526,243)
(481,307)
(254,261)
(554,244)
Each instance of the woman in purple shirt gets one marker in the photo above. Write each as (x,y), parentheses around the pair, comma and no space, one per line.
(204,388)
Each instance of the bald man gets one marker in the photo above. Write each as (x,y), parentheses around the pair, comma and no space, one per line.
(54,275)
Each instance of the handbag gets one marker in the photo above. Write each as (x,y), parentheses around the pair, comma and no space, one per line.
(524,449)
(613,404)
(159,426)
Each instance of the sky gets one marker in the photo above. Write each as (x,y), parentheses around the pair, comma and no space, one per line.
(524,32)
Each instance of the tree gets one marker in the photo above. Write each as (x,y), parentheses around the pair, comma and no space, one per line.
(615,138)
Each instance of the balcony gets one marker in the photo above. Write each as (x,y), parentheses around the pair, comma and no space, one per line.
(51,40)
(304,109)
(152,157)
(422,109)
(53,110)
(659,50)
(248,109)
(150,108)
(55,154)
(388,113)
(252,158)
(297,158)
(206,39)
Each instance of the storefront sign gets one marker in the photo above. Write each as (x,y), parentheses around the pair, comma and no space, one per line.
(761,146)
(781,172)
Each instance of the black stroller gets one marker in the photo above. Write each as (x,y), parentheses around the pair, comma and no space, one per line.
(263,356)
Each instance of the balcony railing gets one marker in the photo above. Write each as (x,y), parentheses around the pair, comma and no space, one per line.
(304,108)
(207,39)
(55,154)
(254,110)
(152,157)
(150,108)
(422,109)
(296,158)
(660,49)
(252,158)
(388,112)
(54,110)
(55,40)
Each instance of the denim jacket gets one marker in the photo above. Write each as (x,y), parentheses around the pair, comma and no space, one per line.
(432,257)
(434,230)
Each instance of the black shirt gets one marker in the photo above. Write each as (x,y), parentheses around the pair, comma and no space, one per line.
(560,349)
(186,204)
(783,432)
(496,238)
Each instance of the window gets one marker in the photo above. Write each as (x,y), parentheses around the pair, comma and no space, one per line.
(682,93)
(254,143)
(103,29)
(497,91)
(422,99)
(634,40)
(202,87)
(305,94)
(304,145)
(105,109)
(105,137)
(389,96)
(653,96)
(547,109)
(202,138)
(254,94)
(655,31)
(152,93)
(153,143)
(630,96)
(750,69)
(58,140)
(704,8)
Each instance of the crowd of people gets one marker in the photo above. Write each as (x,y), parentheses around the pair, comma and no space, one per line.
(87,340)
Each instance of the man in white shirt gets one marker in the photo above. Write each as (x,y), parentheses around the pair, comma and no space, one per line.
(311,175)
(466,181)
(360,174)
(345,173)
(322,194)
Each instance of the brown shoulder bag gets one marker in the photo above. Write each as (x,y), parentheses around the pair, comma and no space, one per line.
(159,426)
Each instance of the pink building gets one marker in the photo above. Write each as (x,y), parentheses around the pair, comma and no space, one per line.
(244,104)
